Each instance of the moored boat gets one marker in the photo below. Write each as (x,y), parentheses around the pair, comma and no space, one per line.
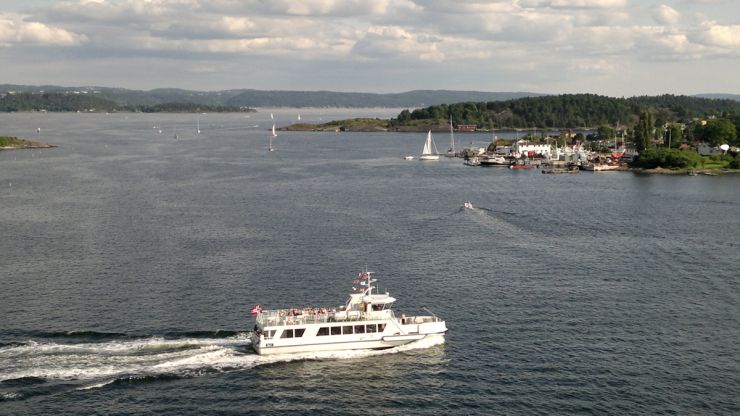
(494,160)
(601,167)
(366,321)
(568,169)
(473,161)
(517,166)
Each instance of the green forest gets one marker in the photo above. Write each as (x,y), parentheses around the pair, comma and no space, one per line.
(61,102)
(568,111)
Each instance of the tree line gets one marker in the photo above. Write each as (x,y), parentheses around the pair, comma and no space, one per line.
(570,111)
(61,102)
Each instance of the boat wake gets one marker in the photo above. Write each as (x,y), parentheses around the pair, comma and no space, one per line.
(42,367)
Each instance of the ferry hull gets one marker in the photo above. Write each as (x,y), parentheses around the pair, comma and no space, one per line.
(384,342)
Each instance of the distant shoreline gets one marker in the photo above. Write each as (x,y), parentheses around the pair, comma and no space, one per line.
(14,143)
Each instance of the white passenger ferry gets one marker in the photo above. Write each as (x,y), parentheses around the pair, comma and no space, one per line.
(366,321)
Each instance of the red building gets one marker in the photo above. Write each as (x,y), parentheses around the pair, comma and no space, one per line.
(466,127)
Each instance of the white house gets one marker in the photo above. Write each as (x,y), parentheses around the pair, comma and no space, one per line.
(524,148)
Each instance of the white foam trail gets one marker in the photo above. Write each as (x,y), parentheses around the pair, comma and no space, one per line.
(104,363)
(107,359)
(120,347)
(11,396)
(97,385)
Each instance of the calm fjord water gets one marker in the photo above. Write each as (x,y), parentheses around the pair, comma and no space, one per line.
(129,262)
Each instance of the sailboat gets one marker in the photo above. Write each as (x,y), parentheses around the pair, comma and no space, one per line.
(271,137)
(299,117)
(618,152)
(197,121)
(430,149)
(451,152)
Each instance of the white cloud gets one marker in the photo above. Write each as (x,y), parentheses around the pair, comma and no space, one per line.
(572,4)
(382,42)
(666,15)
(15,30)
(712,34)
(588,4)
(335,8)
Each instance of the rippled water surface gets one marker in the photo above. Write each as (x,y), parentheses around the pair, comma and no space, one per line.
(129,261)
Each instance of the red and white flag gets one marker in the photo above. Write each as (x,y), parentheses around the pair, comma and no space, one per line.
(256,310)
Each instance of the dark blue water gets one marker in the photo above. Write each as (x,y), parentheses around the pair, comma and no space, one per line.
(129,262)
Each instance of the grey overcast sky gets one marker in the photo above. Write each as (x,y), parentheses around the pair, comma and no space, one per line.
(611,47)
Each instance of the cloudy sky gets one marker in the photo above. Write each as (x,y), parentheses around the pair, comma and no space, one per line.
(612,47)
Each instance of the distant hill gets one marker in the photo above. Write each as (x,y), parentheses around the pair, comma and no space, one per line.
(54,102)
(86,102)
(263,98)
(259,98)
(735,97)
(419,98)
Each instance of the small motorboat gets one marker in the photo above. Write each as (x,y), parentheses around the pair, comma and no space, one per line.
(467,205)
(408,157)
(473,161)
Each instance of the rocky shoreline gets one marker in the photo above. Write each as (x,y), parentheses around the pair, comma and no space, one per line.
(14,143)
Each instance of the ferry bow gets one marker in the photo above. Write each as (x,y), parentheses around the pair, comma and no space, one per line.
(366,321)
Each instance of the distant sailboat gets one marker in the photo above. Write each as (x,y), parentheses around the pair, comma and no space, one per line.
(299,117)
(451,152)
(274,134)
(174,133)
(430,149)
(197,128)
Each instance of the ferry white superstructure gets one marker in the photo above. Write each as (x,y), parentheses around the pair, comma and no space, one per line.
(366,321)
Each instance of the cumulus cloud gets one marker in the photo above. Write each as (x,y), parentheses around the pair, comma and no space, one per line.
(666,15)
(573,4)
(383,42)
(712,34)
(15,30)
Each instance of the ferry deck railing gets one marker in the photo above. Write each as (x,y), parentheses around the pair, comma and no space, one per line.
(280,317)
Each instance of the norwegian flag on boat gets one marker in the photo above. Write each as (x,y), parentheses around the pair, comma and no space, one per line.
(257,309)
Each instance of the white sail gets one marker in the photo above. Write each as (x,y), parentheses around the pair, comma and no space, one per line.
(430,149)
(428,144)
(451,151)
(272,137)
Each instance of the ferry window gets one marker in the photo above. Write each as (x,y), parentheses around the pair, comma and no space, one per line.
(299,332)
(347,329)
(359,329)
(336,330)
(377,307)
(323,331)
(269,334)
(381,327)
(371,328)
(287,333)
